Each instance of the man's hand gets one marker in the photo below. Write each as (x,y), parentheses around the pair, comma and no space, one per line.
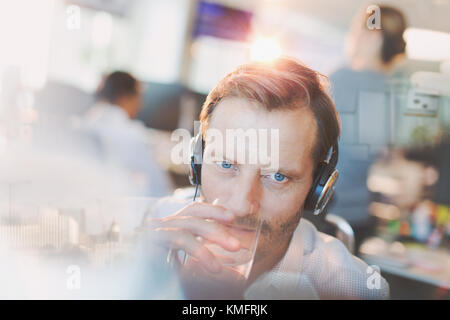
(180,231)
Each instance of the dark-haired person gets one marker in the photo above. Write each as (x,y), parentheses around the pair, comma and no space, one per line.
(293,260)
(125,140)
(362,94)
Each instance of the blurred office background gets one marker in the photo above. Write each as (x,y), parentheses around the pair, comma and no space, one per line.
(55,54)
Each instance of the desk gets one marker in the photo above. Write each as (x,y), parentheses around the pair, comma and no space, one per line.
(430,266)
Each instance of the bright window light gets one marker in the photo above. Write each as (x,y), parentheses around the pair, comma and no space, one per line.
(25,30)
(423,44)
(102,27)
(265,49)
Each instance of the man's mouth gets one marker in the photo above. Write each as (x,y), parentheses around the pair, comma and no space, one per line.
(242,233)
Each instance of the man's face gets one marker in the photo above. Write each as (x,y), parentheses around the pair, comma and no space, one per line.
(250,189)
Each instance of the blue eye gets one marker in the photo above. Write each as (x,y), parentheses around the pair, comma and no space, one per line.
(279,177)
(225,165)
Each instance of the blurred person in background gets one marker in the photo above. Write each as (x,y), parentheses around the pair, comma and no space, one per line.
(415,180)
(436,158)
(361,95)
(124,140)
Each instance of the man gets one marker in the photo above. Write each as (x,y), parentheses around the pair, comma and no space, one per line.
(293,260)
(124,141)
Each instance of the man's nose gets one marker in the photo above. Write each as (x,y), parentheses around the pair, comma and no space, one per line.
(245,196)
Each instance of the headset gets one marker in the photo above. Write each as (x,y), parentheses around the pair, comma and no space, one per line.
(319,195)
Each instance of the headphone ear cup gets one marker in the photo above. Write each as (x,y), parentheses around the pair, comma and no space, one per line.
(195,173)
(198,171)
(196,148)
(314,193)
(192,174)
(322,190)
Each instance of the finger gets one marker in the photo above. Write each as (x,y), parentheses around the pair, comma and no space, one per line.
(209,230)
(183,240)
(207,211)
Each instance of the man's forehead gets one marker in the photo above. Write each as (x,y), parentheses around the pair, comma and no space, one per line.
(294,130)
(234,112)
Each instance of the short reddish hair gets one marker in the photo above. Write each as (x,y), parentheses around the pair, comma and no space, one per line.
(282,84)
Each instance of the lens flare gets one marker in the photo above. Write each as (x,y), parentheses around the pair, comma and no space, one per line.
(265,49)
